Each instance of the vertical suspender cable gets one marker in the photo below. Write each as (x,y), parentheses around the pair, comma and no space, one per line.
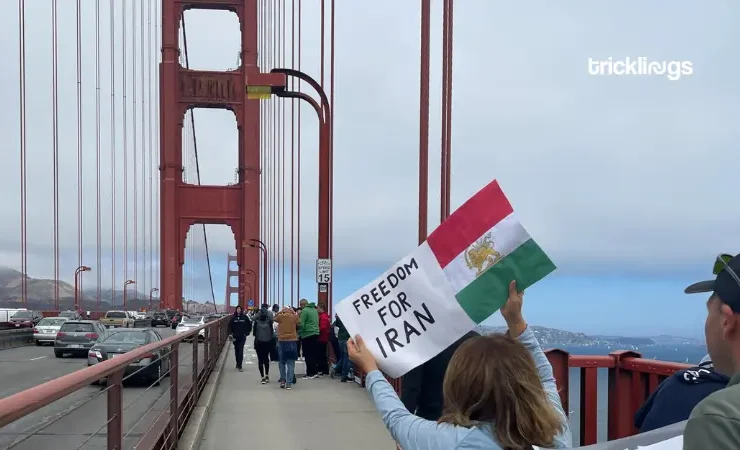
(158,56)
(424,121)
(292,153)
(331,147)
(443,153)
(125,145)
(261,63)
(113,149)
(23,168)
(55,132)
(448,125)
(142,66)
(78,23)
(134,110)
(281,105)
(298,157)
(151,144)
(197,162)
(79,138)
(98,211)
(275,173)
(273,155)
(322,44)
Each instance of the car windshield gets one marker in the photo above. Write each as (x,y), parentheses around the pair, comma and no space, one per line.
(68,314)
(159,315)
(22,315)
(49,322)
(76,327)
(115,315)
(124,337)
(192,320)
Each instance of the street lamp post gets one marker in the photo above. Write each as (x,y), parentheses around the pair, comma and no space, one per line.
(125,284)
(249,292)
(254,278)
(261,245)
(151,291)
(78,271)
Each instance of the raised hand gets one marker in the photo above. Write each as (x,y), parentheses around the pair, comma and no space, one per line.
(360,355)
(512,311)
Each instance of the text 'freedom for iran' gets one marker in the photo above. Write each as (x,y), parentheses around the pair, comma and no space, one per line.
(395,307)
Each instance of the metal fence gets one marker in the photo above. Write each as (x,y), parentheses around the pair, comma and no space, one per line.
(161,430)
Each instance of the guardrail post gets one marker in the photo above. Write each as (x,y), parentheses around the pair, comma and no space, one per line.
(174,403)
(621,410)
(195,367)
(115,411)
(560,370)
(207,347)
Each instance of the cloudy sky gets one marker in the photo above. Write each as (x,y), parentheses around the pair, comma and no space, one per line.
(626,181)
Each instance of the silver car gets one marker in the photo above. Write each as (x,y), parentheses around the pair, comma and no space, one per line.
(77,337)
(46,330)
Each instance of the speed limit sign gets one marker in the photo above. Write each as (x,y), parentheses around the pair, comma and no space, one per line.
(323,271)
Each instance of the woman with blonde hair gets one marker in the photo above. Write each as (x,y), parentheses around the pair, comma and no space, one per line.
(499,393)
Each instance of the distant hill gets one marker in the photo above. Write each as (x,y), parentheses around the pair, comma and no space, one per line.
(553,337)
(40,294)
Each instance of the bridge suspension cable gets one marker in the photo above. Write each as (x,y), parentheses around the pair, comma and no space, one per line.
(196,161)
(78,124)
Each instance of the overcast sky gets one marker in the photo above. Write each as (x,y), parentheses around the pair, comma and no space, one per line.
(608,174)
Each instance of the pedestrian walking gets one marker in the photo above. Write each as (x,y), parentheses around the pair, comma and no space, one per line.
(239,328)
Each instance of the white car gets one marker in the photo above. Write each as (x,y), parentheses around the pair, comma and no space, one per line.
(189,323)
(45,332)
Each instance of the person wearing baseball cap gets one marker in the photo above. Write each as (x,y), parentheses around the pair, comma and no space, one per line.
(715,422)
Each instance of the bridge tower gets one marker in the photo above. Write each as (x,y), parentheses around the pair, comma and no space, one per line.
(183,205)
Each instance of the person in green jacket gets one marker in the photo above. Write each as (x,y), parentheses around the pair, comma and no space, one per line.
(308,331)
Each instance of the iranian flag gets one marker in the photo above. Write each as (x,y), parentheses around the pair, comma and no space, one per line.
(446,286)
(481,247)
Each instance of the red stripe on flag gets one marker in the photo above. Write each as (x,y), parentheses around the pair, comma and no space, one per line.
(476,216)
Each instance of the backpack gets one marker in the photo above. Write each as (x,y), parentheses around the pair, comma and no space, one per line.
(263,331)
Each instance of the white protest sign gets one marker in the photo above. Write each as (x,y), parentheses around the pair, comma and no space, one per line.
(408,315)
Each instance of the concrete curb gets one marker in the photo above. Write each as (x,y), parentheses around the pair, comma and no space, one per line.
(193,433)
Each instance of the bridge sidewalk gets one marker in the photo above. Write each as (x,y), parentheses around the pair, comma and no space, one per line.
(317,414)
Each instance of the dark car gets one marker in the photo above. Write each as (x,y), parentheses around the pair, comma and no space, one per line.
(159,318)
(25,319)
(76,337)
(116,342)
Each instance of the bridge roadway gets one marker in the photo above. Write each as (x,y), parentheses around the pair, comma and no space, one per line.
(55,427)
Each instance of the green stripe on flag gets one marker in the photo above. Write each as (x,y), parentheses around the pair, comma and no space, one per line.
(487,294)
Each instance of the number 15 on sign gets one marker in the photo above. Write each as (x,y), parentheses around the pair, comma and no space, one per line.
(323,271)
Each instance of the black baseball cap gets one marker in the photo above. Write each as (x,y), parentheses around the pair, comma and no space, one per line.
(727,283)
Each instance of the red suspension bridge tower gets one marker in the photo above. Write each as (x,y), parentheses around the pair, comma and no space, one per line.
(184,205)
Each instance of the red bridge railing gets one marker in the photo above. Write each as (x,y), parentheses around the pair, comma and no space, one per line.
(631,379)
(163,429)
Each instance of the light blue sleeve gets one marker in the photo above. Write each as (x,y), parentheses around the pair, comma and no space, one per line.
(564,439)
(409,431)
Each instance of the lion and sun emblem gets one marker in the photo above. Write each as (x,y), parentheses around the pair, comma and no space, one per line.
(481,255)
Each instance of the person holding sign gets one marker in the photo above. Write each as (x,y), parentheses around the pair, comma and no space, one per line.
(499,393)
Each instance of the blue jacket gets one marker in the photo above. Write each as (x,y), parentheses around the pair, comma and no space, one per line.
(677,395)
(414,433)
